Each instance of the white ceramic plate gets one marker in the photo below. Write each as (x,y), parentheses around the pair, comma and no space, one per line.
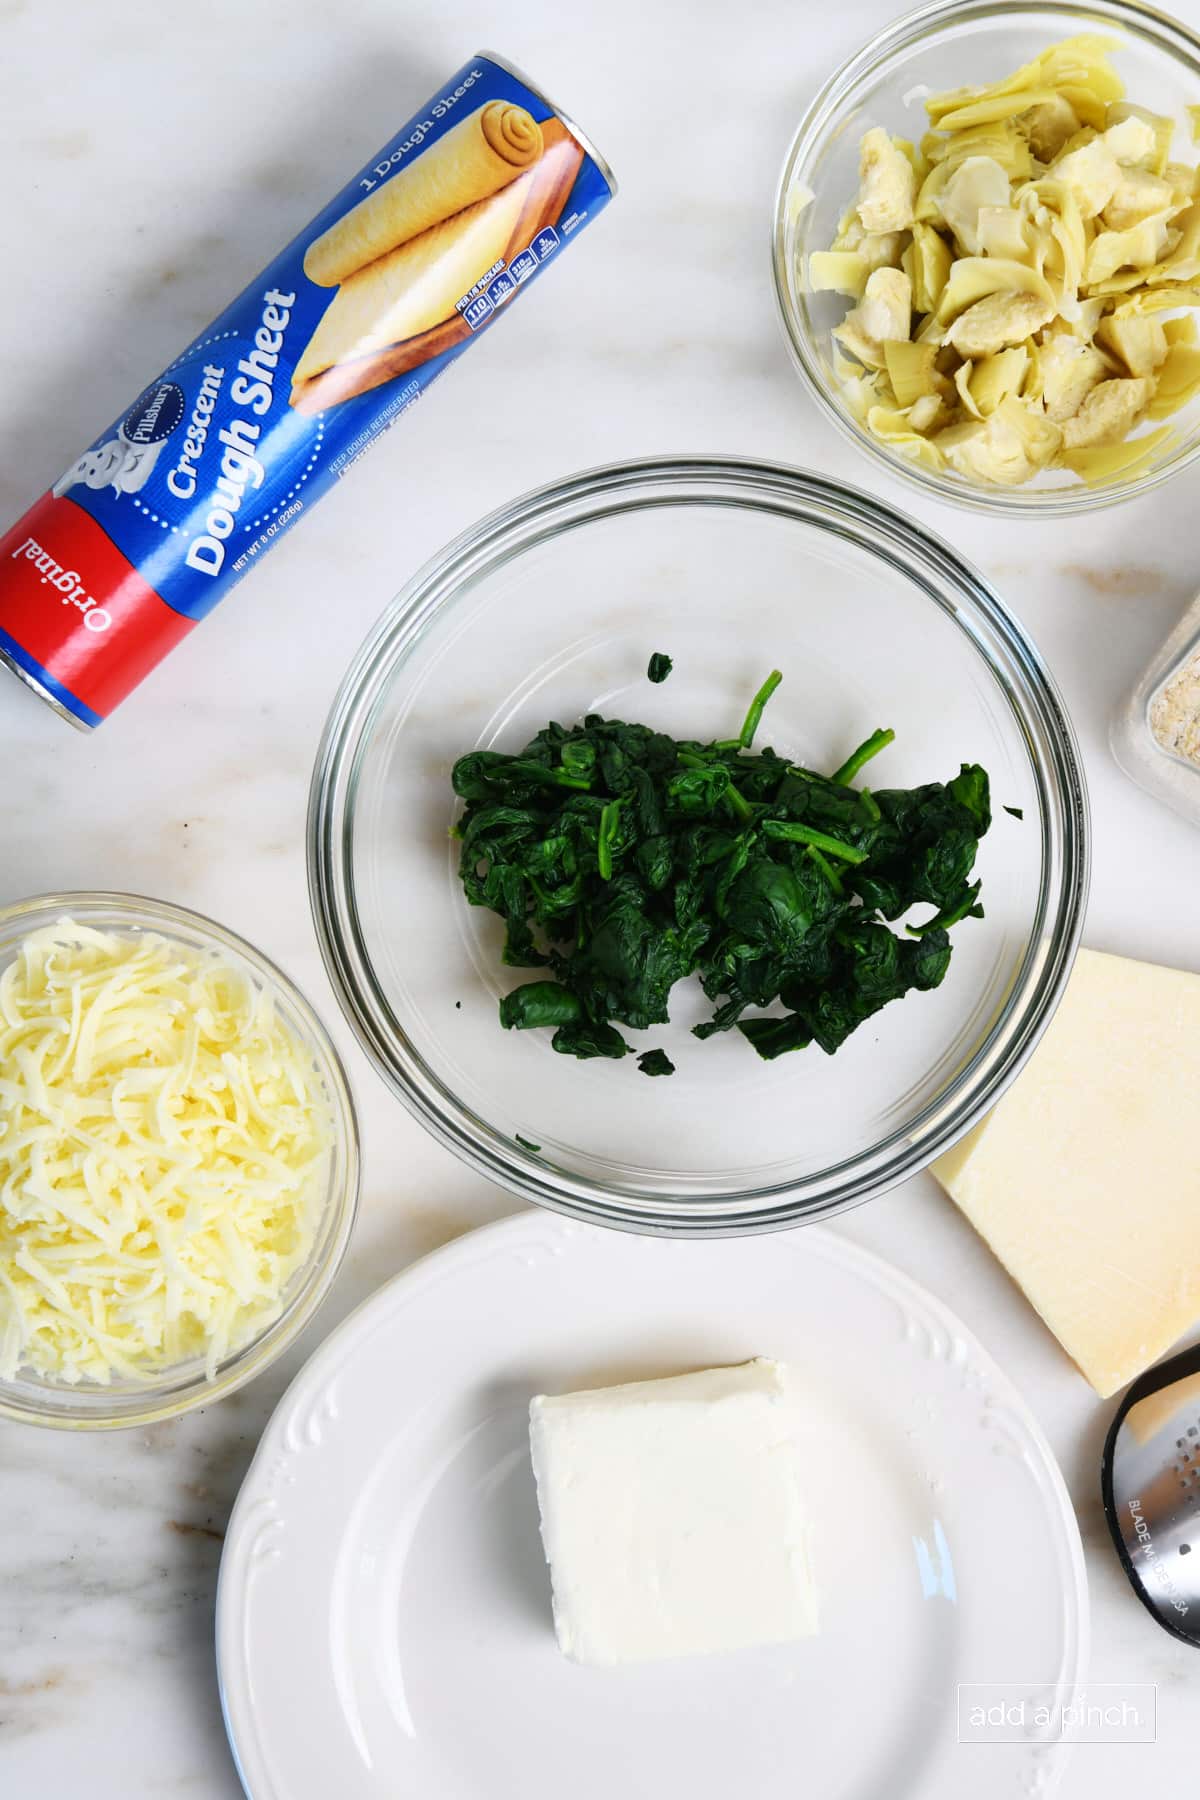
(383,1619)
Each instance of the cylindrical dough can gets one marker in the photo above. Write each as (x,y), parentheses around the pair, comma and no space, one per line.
(345,329)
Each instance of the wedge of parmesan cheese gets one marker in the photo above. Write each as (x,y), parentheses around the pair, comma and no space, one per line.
(1084,1178)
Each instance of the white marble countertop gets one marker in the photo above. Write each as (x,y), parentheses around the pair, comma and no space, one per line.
(154,156)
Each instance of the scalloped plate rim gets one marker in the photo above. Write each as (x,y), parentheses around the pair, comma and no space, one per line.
(530,1231)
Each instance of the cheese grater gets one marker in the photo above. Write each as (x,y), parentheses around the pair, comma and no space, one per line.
(1150,1481)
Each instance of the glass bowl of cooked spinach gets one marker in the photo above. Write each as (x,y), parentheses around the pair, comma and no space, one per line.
(698,846)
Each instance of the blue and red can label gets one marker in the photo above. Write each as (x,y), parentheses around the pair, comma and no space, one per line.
(350,324)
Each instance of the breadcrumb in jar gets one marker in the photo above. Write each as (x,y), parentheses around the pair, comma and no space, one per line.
(1175,712)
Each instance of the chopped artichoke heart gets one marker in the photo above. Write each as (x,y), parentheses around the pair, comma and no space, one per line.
(1090,314)
(934,332)
(852,337)
(1162,128)
(925,412)
(1132,140)
(883,313)
(849,232)
(929,267)
(974,278)
(860,394)
(1140,344)
(909,149)
(1000,231)
(962,381)
(1183,261)
(1100,462)
(1069,369)
(1060,239)
(882,249)
(1138,196)
(1138,248)
(1072,58)
(927,207)
(886,307)
(910,369)
(887,184)
(1178,378)
(1108,413)
(1047,125)
(993,108)
(1125,281)
(998,376)
(837,272)
(974,184)
(1183,180)
(982,386)
(997,322)
(844,367)
(1157,299)
(1031,387)
(1092,173)
(1090,109)
(878,249)
(1011,447)
(1001,143)
(896,430)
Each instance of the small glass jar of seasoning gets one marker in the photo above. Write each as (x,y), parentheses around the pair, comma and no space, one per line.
(1156,734)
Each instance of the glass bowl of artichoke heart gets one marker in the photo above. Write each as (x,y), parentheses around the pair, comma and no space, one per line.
(987,252)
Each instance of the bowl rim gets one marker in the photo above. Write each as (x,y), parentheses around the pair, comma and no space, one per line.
(596,494)
(149,1405)
(1132,16)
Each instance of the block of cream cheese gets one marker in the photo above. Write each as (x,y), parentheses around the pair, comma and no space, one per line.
(1085,1178)
(672,1516)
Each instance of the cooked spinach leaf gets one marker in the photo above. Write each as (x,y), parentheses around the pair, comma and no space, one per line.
(659,667)
(622,860)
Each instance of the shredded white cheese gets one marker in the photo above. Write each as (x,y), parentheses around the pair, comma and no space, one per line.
(164,1142)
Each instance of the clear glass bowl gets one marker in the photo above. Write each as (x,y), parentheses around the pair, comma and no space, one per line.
(551,609)
(31,1398)
(949,44)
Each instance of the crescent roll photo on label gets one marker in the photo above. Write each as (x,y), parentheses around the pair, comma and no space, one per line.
(414,287)
(481,155)
(408,305)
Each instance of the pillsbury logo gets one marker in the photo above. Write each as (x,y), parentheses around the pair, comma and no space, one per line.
(155,415)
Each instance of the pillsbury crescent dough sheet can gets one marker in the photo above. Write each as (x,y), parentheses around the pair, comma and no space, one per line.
(208,467)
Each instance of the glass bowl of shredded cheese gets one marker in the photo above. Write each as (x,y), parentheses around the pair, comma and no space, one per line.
(178,1161)
(987,252)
